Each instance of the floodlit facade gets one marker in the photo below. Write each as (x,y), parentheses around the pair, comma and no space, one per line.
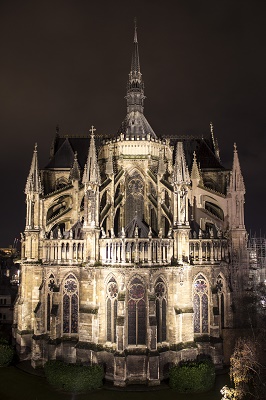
(134,249)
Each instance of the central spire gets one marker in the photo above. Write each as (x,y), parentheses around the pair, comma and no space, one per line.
(135,86)
(135,124)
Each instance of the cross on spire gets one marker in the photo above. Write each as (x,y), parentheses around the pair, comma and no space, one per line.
(92,130)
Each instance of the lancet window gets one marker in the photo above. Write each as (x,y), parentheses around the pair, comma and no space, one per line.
(160,292)
(201,305)
(50,288)
(221,305)
(111,310)
(136,313)
(70,305)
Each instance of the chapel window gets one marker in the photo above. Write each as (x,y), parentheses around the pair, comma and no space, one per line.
(160,292)
(201,305)
(50,288)
(70,305)
(136,313)
(111,310)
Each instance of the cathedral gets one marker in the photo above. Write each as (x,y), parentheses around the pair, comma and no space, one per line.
(133,251)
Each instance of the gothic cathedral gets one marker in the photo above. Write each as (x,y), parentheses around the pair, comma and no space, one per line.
(130,249)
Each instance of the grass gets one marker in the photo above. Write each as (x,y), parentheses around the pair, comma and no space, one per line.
(19,385)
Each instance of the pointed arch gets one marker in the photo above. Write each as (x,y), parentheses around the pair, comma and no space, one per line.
(70,304)
(160,290)
(220,285)
(136,312)
(201,304)
(111,309)
(50,284)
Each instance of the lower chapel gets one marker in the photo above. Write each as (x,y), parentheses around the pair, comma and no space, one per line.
(134,249)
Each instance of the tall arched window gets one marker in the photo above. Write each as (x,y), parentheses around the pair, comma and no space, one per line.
(50,288)
(160,292)
(111,310)
(134,199)
(136,313)
(220,289)
(201,305)
(70,305)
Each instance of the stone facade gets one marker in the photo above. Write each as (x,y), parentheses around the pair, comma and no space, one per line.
(133,251)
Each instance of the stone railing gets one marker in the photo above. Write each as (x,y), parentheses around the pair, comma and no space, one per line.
(63,251)
(136,251)
(208,250)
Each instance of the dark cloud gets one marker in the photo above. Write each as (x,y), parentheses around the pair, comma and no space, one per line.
(66,62)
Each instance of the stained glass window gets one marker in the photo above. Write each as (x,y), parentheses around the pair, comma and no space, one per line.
(201,305)
(136,313)
(111,310)
(160,292)
(70,305)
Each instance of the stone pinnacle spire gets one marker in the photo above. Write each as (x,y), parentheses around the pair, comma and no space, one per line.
(236,181)
(180,174)
(33,183)
(91,170)
(75,170)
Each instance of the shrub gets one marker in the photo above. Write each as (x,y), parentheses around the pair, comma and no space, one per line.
(73,377)
(192,376)
(6,354)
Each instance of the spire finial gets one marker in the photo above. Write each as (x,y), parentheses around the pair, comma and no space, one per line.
(135,31)
(235,148)
(92,130)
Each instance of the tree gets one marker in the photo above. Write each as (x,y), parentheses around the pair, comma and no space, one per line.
(246,372)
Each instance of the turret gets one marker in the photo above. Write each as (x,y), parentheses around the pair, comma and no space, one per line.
(91,180)
(33,191)
(236,192)
(236,200)
(181,182)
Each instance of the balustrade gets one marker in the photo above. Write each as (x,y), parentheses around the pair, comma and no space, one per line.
(64,251)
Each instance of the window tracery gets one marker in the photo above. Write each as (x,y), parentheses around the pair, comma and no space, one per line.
(70,305)
(201,305)
(160,292)
(136,313)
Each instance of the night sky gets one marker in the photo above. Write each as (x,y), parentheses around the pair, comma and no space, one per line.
(67,63)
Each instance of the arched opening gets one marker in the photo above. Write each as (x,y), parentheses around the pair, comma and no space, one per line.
(201,305)
(111,310)
(160,292)
(136,313)
(70,305)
